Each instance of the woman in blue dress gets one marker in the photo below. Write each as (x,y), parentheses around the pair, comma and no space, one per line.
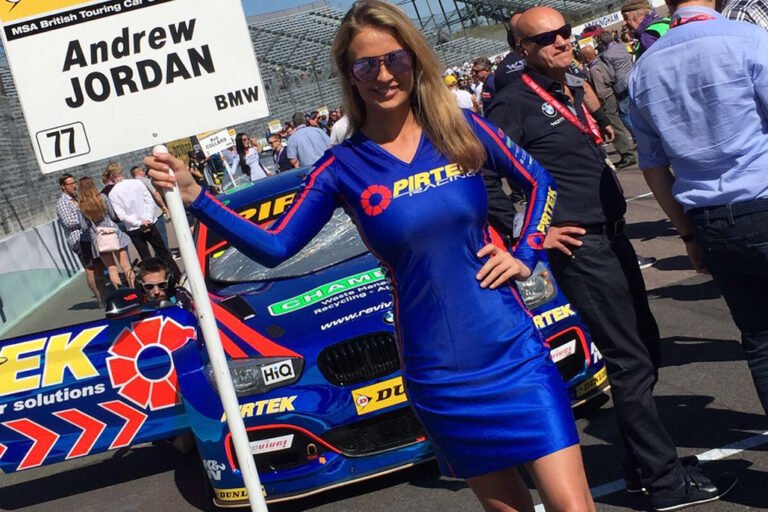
(476,371)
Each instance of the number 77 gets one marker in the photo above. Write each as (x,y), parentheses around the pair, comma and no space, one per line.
(57,140)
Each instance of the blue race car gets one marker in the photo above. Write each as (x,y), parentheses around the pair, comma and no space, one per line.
(312,356)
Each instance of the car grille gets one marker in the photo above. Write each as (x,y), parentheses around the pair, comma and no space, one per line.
(359,359)
(384,432)
(575,363)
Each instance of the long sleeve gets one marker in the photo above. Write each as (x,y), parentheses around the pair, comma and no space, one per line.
(131,221)
(310,211)
(148,213)
(67,212)
(601,80)
(512,162)
(122,201)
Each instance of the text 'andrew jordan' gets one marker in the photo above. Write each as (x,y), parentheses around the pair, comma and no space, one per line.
(138,75)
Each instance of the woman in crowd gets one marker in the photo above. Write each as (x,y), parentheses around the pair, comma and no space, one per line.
(100,218)
(249,158)
(476,371)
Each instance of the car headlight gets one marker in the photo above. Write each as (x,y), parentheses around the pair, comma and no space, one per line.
(539,288)
(258,375)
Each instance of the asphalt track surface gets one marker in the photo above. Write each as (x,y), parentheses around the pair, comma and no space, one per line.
(705,396)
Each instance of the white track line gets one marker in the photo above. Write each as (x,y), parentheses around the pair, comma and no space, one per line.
(641,196)
(726,451)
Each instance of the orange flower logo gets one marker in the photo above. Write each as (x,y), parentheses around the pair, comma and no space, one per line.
(141,367)
(375,199)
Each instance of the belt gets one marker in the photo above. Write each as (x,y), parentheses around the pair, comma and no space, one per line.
(609,229)
(727,211)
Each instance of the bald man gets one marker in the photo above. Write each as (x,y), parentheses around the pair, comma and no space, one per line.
(591,257)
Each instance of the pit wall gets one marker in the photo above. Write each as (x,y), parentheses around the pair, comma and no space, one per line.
(34,264)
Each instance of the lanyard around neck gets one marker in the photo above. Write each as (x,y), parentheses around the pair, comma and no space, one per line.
(592,130)
(682,21)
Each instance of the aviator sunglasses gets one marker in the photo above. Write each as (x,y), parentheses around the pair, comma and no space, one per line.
(149,286)
(367,69)
(548,38)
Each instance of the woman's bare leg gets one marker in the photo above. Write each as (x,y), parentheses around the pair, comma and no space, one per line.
(559,477)
(502,491)
(109,259)
(561,481)
(125,263)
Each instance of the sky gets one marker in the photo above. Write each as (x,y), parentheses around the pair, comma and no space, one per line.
(254,7)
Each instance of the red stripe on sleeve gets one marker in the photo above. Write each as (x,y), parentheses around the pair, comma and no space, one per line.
(295,206)
(520,168)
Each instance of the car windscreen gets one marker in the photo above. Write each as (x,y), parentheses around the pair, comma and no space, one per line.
(337,241)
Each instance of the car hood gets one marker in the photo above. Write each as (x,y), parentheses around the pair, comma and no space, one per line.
(302,315)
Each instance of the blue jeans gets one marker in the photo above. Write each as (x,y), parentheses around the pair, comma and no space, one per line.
(734,243)
(160,224)
(624,115)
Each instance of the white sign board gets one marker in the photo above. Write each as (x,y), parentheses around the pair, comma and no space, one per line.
(215,142)
(102,78)
(610,18)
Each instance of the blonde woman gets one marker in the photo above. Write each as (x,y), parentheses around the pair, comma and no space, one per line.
(98,213)
(475,368)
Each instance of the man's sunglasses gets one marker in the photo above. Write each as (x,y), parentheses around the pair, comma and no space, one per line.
(367,68)
(148,287)
(548,38)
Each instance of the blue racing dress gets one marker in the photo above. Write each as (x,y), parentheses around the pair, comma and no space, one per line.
(475,368)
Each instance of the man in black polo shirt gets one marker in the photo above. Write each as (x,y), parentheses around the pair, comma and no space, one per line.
(512,65)
(592,260)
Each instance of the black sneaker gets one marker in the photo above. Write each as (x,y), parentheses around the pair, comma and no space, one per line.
(633,484)
(694,490)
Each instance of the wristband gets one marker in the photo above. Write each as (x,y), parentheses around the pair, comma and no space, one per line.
(600,117)
(687,237)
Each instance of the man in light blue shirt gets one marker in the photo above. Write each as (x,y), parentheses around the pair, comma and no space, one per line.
(699,103)
(307,144)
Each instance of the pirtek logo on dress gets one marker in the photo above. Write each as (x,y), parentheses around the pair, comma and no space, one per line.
(377,198)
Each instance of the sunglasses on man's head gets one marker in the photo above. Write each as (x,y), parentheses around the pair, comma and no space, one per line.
(548,38)
(148,287)
(367,68)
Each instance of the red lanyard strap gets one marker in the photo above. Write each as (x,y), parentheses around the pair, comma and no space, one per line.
(682,21)
(592,130)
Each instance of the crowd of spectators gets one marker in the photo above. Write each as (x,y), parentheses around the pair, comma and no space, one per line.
(100,225)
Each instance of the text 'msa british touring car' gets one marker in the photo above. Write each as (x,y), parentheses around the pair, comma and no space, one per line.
(312,355)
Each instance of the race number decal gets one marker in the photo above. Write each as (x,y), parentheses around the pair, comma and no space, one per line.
(63,142)
(95,77)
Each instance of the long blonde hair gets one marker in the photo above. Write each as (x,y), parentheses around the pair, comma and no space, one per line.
(433,105)
(91,203)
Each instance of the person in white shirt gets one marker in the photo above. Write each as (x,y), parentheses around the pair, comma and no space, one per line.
(230,156)
(463,98)
(161,210)
(340,131)
(135,208)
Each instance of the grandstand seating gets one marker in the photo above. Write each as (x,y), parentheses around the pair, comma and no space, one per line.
(575,11)
(293,48)
(294,56)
